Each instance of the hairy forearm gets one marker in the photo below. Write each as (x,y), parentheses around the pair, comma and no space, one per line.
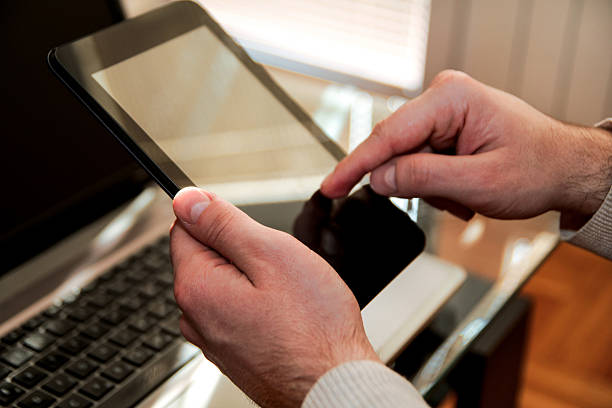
(588,175)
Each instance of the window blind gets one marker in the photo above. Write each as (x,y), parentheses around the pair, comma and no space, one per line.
(375,43)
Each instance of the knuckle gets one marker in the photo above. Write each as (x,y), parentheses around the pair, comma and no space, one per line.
(450,77)
(220,227)
(412,175)
(383,136)
(380,130)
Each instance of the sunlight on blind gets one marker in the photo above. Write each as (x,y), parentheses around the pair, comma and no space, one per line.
(382,42)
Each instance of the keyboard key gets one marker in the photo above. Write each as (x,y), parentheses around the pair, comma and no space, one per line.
(9,393)
(112,317)
(118,287)
(29,377)
(117,372)
(13,337)
(136,275)
(38,399)
(103,353)
(37,341)
(70,298)
(124,266)
(16,357)
(131,303)
(82,368)
(53,311)
(80,313)
(124,337)
(96,388)
(59,385)
(4,371)
(75,401)
(95,330)
(142,382)
(142,323)
(99,300)
(52,361)
(171,327)
(153,262)
(33,323)
(158,341)
(169,295)
(149,290)
(74,345)
(90,287)
(107,276)
(138,356)
(160,309)
(165,279)
(58,327)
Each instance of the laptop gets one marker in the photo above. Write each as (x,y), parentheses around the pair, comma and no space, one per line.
(73,330)
(87,312)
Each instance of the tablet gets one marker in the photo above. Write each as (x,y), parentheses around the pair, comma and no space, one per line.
(191,106)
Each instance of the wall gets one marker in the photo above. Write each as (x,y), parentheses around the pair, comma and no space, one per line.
(555,54)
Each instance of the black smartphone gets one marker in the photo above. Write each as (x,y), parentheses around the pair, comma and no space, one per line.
(191,106)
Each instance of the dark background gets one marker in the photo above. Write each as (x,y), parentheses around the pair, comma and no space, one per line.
(60,168)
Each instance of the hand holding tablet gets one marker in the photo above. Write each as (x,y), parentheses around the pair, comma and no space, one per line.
(269,312)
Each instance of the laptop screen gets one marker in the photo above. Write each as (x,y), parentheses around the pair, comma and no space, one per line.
(61,169)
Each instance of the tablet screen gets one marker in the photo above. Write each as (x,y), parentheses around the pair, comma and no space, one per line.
(213,117)
(187,101)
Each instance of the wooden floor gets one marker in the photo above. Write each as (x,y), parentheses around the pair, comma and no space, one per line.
(569,360)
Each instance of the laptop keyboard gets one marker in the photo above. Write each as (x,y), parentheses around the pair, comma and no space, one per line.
(108,346)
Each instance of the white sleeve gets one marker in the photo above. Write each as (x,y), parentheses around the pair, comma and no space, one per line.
(361,384)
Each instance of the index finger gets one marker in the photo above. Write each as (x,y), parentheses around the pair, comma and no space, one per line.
(433,113)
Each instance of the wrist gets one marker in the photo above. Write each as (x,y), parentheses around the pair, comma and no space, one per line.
(292,380)
(586,172)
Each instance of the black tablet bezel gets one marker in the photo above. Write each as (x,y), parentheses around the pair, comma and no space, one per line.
(74,63)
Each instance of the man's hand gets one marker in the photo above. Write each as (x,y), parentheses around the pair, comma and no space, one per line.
(269,312)
(465,147)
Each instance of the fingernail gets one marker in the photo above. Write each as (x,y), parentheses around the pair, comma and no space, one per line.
(389,177)
(190,203)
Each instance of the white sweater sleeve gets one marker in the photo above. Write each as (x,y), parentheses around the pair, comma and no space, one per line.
(361,384)
(596,234)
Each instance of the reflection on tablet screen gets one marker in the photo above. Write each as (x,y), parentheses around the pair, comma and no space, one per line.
(216,121)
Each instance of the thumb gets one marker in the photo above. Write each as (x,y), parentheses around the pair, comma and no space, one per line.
(459,178)
(219,225)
